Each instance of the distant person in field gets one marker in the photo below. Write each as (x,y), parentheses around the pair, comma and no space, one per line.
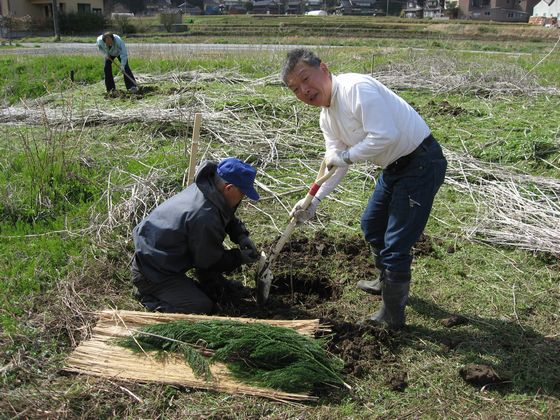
(113,47)
(363,120)
(187,232)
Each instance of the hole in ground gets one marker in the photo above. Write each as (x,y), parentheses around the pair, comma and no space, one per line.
(305,285)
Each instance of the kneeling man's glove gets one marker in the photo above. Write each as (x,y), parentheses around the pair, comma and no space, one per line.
(248,256)
(246,243)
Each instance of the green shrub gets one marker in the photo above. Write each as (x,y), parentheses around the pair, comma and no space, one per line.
(79,23)
(169,19)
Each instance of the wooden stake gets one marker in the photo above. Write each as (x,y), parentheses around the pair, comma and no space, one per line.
(194,148)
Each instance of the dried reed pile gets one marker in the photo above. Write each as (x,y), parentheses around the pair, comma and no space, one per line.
(512,208)
(441,74)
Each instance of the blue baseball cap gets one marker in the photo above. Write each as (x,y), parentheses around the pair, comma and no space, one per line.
(240,174)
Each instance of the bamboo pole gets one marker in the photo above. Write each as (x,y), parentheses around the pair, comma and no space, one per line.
(194,148)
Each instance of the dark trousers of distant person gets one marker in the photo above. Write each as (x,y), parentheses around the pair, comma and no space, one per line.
(129,80)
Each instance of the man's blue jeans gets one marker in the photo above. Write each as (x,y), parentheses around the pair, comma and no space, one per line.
(398,210)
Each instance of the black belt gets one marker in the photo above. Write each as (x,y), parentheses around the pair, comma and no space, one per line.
(401,162)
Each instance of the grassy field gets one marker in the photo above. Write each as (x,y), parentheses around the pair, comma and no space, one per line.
(79,170)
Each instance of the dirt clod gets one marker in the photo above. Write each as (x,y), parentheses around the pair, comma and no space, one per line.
(451,249)
(479,375)
(397,382)
(454,320)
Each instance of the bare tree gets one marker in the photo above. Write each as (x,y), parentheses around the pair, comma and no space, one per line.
(55,20)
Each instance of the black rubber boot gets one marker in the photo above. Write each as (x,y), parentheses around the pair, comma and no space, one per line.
(394,290)
(373,287)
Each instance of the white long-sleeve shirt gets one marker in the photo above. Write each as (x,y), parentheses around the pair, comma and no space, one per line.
(118,49)
(370,121)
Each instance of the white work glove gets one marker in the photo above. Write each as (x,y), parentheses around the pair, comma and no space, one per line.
(338,158)
(122,68)
(302,215)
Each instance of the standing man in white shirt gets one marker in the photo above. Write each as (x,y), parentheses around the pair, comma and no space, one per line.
(363,120)
(113,47)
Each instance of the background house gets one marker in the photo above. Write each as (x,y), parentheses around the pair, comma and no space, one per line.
(497,10)
(548,10)
(189,8)
(43,8)
(423,9)
(357,7)
(433,9)
(413,9)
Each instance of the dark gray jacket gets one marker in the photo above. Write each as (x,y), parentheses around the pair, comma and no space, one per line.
(188,230)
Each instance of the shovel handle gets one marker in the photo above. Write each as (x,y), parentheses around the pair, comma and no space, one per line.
(321,178)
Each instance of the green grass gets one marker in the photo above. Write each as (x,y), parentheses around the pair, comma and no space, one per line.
(32,77)
(59,261)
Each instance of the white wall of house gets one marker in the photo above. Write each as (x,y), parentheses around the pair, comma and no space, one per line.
(17,8)
(546,10)
(43,8)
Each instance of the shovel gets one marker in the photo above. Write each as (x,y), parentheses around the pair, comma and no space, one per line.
(264,275)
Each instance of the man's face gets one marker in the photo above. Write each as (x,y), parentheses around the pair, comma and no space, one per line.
(233,195)
(109,41)
(311,85)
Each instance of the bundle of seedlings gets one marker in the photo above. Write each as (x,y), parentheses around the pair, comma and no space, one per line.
(257,354)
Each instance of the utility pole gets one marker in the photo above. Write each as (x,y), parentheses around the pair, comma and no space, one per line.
(55,20)
(387,12)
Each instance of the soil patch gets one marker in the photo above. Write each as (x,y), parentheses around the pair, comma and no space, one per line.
(359,346)
(143,90)
(445,108)
(307,283)
(426,245)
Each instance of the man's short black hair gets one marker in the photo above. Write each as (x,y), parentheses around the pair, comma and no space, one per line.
(294,57)
(107,35)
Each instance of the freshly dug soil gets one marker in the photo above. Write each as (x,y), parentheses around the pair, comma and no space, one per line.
(303,288)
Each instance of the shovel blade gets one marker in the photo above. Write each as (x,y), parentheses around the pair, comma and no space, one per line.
(263,280)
